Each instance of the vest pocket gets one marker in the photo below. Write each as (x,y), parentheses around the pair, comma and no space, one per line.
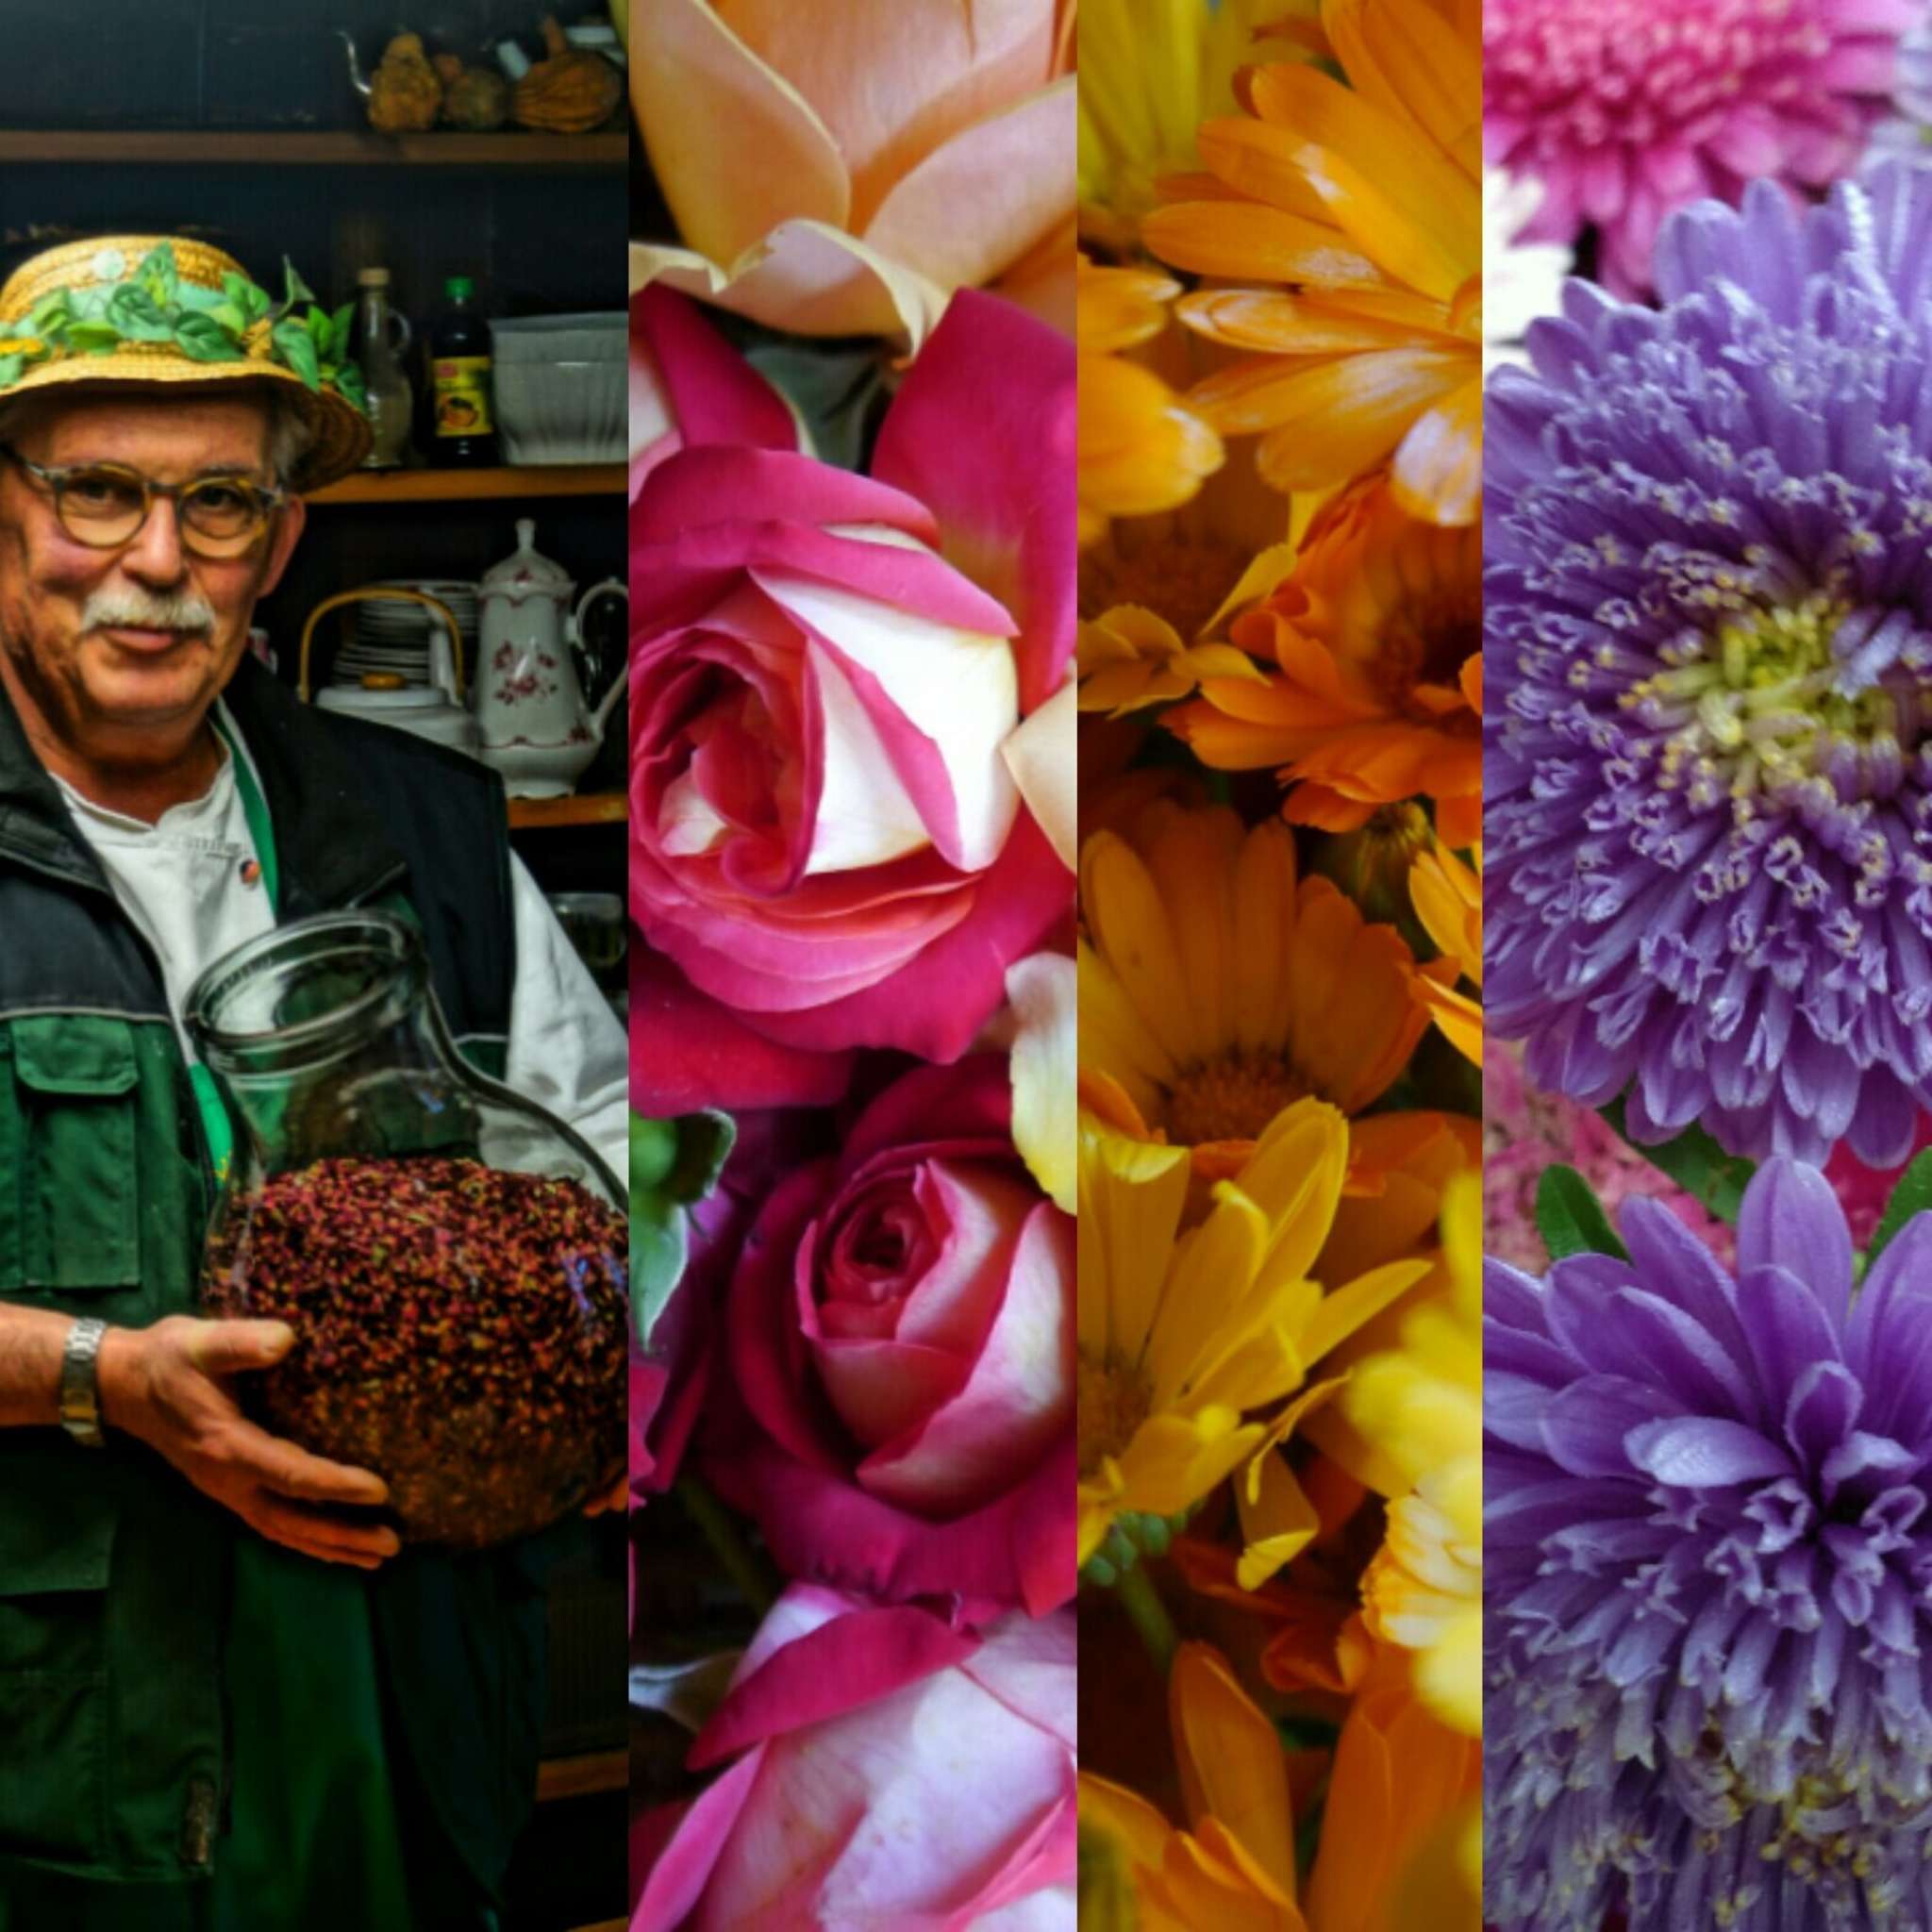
(77,1213)
(56,1552)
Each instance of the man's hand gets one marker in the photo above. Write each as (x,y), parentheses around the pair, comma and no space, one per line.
(169,1386)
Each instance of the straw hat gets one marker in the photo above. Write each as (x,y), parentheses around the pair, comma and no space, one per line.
(152,310)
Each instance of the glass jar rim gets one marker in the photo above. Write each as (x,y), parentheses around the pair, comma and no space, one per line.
(391,946)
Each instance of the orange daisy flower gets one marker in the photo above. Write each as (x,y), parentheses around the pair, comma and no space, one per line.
(1218,988)
(1141,449)
(1448,897)
(1354,214)
(1379,634)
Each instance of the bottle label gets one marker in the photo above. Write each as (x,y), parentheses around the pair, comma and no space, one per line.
(463,395)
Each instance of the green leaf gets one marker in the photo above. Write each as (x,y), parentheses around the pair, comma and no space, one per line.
(133,311)
(93,338)
(673,1163)
(202,338)
(1570,1217)
(51,315)
(251,299)
(653,1151)
(11,369)
(157,276)
(298,290)
(1696,1163)
(348,380)
(659,1243)
(297,349)
(704,1145)
(1913,1195)
(229,317)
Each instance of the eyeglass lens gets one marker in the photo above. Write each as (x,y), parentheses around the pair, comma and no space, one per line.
(105,507)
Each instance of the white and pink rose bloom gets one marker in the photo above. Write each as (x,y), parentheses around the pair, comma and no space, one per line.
(850,735)
(883,1769)
(898,1414)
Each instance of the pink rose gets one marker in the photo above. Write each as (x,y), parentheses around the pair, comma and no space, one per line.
(895,1772)
(901,1342)
(687,386)
(828,848)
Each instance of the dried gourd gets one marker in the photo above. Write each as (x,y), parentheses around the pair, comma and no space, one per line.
(404,96)
(475,99)
(571,91)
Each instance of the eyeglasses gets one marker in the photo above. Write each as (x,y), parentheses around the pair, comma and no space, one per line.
(107,504)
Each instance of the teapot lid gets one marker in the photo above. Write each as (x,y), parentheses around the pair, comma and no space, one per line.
(524,570)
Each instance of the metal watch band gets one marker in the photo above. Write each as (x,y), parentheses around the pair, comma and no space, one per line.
(80,1393)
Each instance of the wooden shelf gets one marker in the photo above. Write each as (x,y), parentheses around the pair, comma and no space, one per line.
(475,486)
(579,1777)
(592,808)
(190,147)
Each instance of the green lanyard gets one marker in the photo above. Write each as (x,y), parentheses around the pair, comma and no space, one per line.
(215,1124)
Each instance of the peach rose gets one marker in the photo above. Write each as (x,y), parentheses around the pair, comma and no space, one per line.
(842,171)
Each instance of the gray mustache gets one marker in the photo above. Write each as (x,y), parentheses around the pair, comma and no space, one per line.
(136,610)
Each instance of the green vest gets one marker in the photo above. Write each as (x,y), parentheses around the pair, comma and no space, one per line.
(115,1573)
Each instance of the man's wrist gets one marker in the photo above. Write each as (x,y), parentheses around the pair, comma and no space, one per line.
(114,1368)
(80,1397)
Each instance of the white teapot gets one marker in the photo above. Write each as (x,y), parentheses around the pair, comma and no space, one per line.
(536,728)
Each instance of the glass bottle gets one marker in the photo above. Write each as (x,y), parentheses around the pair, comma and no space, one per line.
(462,417)
(382,336)
(453,1261)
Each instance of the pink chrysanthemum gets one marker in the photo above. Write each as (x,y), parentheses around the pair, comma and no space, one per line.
(1625,109)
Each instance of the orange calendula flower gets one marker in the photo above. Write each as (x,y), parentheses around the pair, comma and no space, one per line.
(1400,1810)
(1130,657)
(1141,449)
(1378,636)
(1188,1338)
(1218,987)
(1355,214)
(1233,1869)
(1448,898)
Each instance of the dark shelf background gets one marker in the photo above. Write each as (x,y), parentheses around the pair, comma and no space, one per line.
(230,63)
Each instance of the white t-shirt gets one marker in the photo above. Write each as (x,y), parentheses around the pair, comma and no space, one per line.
(188,884)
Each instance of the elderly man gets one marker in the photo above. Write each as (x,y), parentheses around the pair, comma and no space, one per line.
(225,1700)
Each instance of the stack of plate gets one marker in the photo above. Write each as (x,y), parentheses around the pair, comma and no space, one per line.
(394,637)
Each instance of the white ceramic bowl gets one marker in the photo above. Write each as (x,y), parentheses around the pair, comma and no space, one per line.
(563,412)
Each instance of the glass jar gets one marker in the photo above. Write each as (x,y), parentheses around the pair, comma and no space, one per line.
(452,1259)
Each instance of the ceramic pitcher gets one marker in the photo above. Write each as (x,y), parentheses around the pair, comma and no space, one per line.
(536,727)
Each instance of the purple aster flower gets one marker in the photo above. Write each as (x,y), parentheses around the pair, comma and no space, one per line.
(1708,1561)
(1709,629)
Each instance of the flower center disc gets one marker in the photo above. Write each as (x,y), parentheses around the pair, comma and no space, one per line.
(1757,707)
(1232,1098)
(1114,1399)
(1175,577)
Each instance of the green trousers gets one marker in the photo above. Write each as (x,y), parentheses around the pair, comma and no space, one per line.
(325,1837)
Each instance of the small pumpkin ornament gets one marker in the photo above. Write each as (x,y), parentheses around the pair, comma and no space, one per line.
(569,92)
(477,99)
(404,96)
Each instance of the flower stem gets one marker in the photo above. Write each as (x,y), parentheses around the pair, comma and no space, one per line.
(720,1531)
(1148,1614)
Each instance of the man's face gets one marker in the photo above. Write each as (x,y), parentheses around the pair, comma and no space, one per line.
(121,652)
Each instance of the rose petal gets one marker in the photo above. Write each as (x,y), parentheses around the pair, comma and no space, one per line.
(1018,1399)
(984,432)
(733,145)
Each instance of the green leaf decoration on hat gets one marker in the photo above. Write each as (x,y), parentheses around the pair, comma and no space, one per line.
(153,304)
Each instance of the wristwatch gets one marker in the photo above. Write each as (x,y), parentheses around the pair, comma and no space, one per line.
(80,1388)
